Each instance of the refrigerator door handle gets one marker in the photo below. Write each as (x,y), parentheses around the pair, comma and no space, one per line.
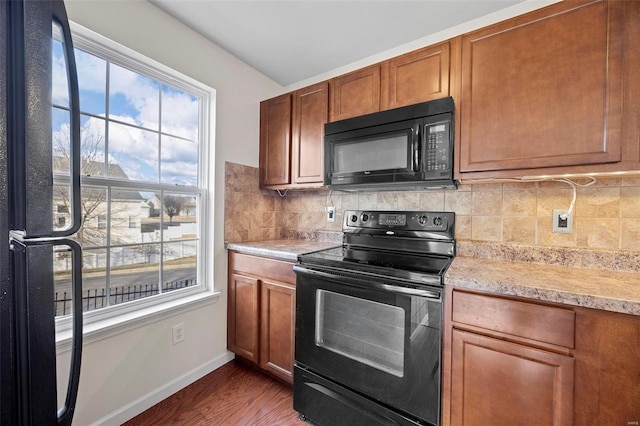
(65,414)
(60,17)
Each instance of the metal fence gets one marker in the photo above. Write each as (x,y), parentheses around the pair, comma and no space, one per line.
(97,298)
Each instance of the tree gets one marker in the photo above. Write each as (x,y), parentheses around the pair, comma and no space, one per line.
(173,205)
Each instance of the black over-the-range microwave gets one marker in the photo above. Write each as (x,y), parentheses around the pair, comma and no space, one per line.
(407,148)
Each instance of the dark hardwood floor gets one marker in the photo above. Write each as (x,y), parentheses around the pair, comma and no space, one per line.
(234,394)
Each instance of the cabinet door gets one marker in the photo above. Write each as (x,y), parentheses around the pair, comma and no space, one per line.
(418,76)
(543,90)
(356,93)
(607,368)
(277,328)
(495,382)
(310,113)
(275,140)
(242,316)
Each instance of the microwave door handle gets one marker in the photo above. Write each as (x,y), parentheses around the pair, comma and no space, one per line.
(415,135)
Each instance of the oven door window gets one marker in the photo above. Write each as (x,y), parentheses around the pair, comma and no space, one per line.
(368,332)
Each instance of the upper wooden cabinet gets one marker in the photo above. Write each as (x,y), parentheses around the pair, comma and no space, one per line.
(356,93)
(543,91)
(292,138)
(275,141)
(418,76)
(310,113)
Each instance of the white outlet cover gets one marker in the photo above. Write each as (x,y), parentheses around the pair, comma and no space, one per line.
(555,228)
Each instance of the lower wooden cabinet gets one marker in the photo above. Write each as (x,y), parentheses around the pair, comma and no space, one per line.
(261,312)
(517,361)
(496,382)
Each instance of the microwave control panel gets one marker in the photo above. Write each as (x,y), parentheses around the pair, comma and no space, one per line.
(437,156)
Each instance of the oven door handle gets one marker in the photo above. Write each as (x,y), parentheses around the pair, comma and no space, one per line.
(407,291)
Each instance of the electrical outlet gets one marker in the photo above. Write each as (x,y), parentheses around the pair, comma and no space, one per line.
(562,224)
(178,333)
(331,214)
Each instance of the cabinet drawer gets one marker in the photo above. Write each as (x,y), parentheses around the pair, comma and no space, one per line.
(542,323)
(263,267)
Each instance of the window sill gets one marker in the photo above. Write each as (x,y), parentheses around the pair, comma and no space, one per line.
(113,326)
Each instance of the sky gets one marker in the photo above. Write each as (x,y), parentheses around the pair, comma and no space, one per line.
(152,127)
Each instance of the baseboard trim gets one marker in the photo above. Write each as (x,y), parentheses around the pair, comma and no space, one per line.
(147,401)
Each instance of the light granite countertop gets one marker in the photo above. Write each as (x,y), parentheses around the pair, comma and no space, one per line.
(283,249)
(591,288)
(608,290)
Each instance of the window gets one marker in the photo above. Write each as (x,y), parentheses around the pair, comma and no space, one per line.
(144,157)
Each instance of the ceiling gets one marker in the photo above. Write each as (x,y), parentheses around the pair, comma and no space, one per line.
(290,41)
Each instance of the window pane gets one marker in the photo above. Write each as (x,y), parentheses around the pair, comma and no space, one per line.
(179,161)
(180,113)
(127,208)
(92,82)
(135,272)
(179,216)
(92,137)
(94,279)
(133,153)
(133,98)
(61,140)
(60,88)
(179,266)
(93,231)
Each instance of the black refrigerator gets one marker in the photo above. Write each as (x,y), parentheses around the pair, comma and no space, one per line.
(28,384)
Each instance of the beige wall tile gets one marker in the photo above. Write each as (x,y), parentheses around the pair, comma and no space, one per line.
(519,230)
(486,228)
(630,234)
(409,200)
(547,238)
(630,201)
(598,233)
(553,198)
(367,201)
(486,203)
(387,201)
(598,202)
(630,181)
(458,201)
(519,203)
(463,227)
(432,200)
(607,213)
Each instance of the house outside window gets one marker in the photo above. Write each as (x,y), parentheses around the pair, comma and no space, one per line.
(144,157)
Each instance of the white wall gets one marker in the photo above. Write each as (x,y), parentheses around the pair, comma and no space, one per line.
(138,366)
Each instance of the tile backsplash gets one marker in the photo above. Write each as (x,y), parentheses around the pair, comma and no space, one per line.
(606,214)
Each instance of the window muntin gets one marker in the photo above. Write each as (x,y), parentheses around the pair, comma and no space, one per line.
(142,137)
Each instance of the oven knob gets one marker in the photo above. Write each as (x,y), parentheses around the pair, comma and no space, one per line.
(422,219)
(365,217)
(437,221)
(354,218)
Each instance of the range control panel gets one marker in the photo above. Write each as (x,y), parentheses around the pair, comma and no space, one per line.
(405,220)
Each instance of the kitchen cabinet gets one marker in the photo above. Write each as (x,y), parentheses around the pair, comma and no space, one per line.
(275,141)
(310,113)
(292,138)
(261,312)
(542,93)
(511,360)
(356,93)
(418,76)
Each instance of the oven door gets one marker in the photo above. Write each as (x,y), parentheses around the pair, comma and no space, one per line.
(373,337)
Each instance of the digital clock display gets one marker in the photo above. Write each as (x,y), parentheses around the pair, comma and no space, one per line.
(392,219)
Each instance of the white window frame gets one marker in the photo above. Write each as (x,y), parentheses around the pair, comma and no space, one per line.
(115,319)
